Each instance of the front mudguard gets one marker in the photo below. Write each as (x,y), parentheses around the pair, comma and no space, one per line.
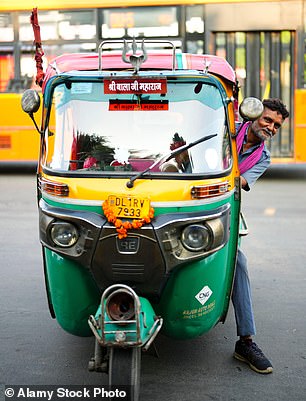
(72,292)
(139,331)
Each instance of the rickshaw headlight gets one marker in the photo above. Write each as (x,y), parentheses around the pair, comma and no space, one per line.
(64,234)
(196,237)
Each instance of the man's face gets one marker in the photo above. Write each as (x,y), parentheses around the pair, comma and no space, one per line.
(267,125)
(182,157)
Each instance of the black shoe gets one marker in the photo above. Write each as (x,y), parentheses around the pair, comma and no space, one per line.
(249,352)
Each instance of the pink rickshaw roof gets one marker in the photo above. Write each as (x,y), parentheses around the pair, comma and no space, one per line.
(156,61)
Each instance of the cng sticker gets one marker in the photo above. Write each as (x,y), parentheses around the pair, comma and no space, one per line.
(204,295)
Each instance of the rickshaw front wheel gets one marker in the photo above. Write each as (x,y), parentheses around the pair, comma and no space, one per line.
(124,370)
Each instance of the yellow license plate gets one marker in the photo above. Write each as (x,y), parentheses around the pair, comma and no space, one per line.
(132,207)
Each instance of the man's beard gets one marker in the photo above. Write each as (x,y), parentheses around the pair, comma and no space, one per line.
(261,134)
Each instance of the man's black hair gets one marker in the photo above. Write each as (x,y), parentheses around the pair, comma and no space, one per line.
(276,105)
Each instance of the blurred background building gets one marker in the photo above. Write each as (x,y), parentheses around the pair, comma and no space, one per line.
(264,41)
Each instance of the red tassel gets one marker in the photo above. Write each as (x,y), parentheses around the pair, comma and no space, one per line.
(38,48)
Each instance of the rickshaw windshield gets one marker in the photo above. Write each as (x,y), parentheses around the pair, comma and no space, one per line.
(94,132)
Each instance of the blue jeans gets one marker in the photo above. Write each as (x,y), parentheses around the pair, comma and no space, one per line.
(242,298)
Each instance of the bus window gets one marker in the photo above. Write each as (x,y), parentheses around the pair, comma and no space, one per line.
(55,50)
(6,28)
(148,22)
(64,25)
(6,50)
(195,46)
(194,19)
(6,69)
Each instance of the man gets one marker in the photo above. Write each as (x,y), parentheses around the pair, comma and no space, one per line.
(182,160)
(254,159)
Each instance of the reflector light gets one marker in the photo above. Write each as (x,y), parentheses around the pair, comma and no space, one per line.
(208,191)
(53,187)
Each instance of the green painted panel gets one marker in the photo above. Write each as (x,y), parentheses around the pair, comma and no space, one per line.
(208,281)
(70,206)
(74,293)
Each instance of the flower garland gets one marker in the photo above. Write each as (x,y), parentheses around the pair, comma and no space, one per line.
(123,226)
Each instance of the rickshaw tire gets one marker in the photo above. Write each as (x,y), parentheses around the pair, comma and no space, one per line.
(124,370)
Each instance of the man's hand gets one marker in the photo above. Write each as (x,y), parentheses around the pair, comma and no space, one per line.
(244,182)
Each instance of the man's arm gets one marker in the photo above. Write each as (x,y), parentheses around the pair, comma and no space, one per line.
(249,178)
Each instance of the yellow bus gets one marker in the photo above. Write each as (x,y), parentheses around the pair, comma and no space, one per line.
(264,41)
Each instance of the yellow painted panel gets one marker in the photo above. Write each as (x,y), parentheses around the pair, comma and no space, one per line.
(19,140)
(300,126)
(8,5)
(156,190)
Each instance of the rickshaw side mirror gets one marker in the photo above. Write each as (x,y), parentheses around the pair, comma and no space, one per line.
(251,108)
(30,103)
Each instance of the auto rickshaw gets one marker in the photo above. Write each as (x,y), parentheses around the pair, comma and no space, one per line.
(138,197)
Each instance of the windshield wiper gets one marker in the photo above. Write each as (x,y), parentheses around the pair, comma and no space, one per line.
(167,157)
